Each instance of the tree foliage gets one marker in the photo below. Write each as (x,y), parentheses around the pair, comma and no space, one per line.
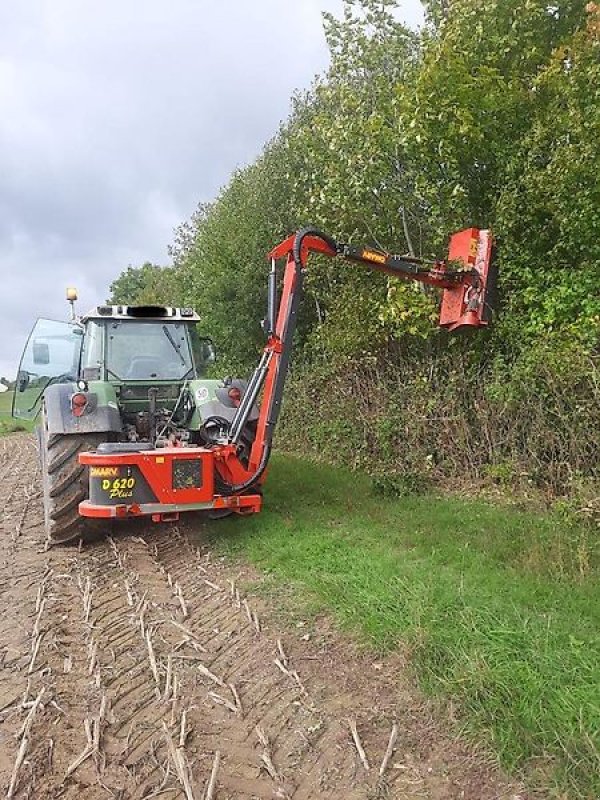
(148,284)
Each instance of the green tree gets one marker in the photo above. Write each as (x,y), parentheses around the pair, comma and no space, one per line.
(148,284)
(549,206)
(220,255)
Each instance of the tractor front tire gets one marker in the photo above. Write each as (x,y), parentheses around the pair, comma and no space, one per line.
(66,484)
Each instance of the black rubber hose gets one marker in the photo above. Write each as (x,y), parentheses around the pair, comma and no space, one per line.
(300,237)
(239,488)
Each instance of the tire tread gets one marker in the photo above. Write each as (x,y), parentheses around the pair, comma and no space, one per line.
(66,485)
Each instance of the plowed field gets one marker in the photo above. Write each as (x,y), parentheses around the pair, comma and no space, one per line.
(135,667)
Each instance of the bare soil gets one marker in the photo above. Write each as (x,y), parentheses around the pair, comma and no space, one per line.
(136,667)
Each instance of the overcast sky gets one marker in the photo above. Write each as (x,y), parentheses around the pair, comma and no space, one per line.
(117,118)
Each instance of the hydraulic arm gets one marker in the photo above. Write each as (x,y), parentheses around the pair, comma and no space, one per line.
(465,279)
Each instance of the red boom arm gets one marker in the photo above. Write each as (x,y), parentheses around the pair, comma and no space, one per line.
(464,279)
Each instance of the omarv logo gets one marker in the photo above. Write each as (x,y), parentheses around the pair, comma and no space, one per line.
(373,255)
(104,472)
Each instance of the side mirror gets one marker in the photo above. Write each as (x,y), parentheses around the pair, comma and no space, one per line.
(41,353)
(22,381)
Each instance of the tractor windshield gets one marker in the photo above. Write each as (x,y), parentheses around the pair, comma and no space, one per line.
(138,351)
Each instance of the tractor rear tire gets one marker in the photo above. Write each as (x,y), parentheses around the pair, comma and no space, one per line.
(66,484)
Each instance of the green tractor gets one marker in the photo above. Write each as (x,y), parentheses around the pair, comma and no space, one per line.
(125,378)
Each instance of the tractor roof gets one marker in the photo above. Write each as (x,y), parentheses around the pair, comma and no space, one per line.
(143,312)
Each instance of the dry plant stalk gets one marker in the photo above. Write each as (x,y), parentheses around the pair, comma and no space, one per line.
(221,701)
(93,647)
(86,752)
(266,756)
(87,599)
(270,767)
(93,733)
(116,551)
(282,667)
(19,525)
(389,750)
(177,756)
(212,783)
(168,678)
(141,619)
(180,598)
(174,694)
(261,736)
(55,705)
(187,633)
(182,728)
(296,677)
(26,726)
(282,654)
(237,698)
(36,626)
(210,675)
(39,595)
(152,659)
(141,602)
(18,763)
(24,700)
(358,744)
(129,594)
(36,646)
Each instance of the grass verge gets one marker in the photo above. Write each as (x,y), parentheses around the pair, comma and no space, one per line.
(498,608)
(7,423)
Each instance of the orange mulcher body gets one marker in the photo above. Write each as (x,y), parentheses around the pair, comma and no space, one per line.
(141,479)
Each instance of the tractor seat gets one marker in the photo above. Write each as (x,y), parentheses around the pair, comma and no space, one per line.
(123,447)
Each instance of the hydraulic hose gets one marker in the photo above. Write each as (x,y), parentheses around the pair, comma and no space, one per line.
(282,369)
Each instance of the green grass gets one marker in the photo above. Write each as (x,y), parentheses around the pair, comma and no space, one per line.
(498,608)
(5,402)
(7,423)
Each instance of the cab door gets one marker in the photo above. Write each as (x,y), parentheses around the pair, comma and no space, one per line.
(51,355)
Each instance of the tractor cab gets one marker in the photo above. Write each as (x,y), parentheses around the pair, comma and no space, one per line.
(130,347)
(126,344)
